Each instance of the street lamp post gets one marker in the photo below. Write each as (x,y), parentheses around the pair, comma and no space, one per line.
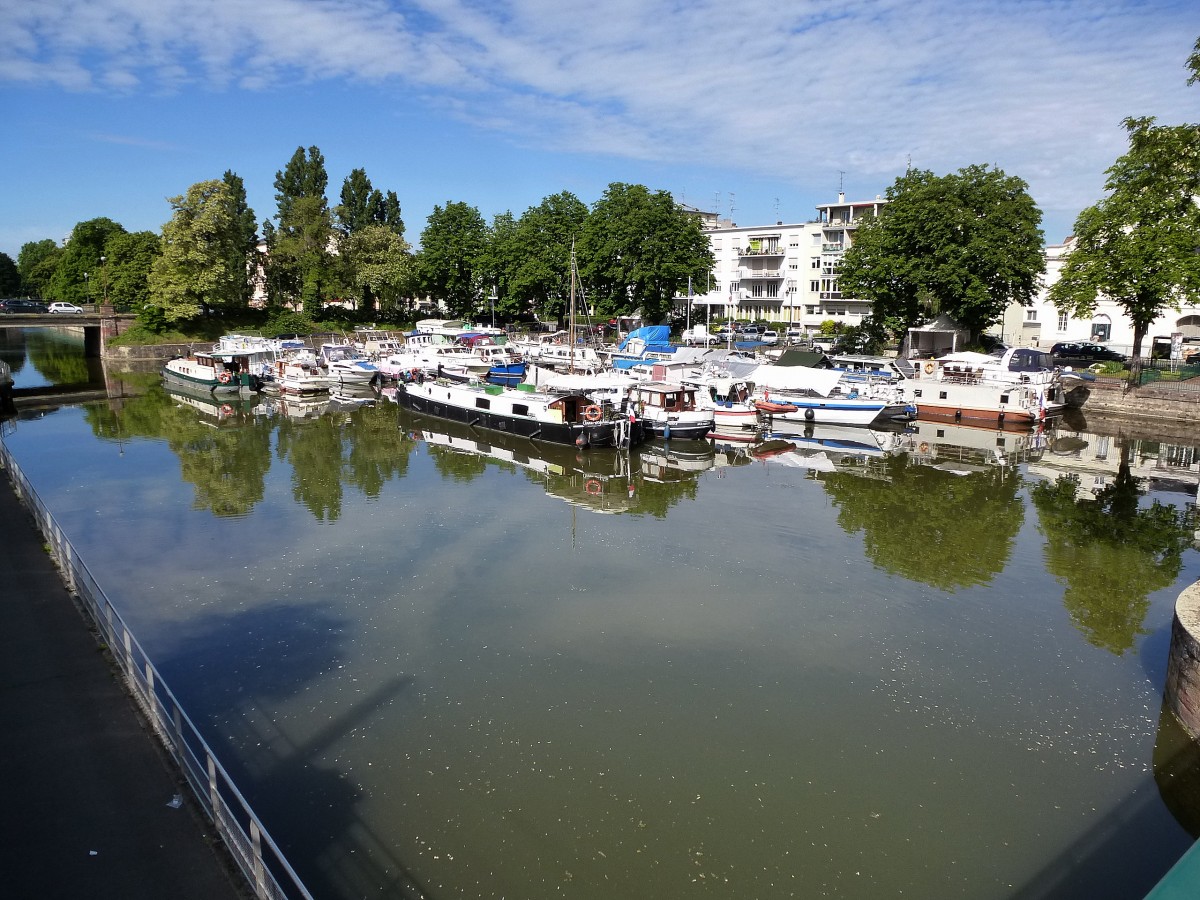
(104,278)
(87,286)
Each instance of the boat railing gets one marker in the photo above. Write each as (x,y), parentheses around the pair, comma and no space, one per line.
(269,875)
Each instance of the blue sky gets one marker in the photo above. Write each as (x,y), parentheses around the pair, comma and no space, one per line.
(762,109)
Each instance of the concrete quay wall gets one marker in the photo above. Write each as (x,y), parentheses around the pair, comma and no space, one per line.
(1182,691)
(1151,403)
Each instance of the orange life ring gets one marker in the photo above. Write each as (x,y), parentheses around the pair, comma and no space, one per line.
(226,410)
(592,413)
(924,448)
(593,487)
(223,378)
(928,368)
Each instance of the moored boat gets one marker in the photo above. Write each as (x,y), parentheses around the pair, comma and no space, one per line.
(1014,390)
(670,410)
(561,418)
(219,373)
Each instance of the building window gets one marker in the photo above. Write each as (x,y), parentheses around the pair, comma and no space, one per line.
(773,289)
(815,287)
(1062,321)
(1030,315)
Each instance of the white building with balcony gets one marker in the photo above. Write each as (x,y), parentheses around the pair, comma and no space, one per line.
(784,274)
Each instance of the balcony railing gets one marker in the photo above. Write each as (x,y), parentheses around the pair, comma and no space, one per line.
(752,274)
(760,251)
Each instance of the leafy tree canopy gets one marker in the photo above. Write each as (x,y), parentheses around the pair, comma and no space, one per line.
(450,265)
(37,262)
(966,244)
(130,258)
(10,276)
(300,265)
(362,205)
(79,275)
(379,267)
(1138,246)
(637,251)
(198,267)
(536,261)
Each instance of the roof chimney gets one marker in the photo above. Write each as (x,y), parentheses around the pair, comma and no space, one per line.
(841,196)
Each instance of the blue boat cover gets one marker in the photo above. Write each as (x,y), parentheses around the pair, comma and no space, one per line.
(651,334)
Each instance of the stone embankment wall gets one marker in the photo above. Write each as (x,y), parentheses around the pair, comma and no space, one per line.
(1150,403)
(1182,691)
(146,353)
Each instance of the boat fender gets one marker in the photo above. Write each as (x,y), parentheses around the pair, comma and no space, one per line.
(592,487)
(592,413)
(809,414)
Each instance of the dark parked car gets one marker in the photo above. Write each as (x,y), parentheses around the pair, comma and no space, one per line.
(1083,353)
(22,306)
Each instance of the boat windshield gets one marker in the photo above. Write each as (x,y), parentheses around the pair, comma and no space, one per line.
(1026,359)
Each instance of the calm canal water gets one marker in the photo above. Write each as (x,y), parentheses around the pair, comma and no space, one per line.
(781,671)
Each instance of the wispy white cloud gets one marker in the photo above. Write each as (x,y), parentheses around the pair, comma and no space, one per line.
(780,90)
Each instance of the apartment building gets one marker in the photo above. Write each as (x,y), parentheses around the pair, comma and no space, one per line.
(784,273)
(1042,325)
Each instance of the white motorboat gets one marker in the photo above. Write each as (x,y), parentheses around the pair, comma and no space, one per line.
(1014,390)
(670,410)
(346,364)
(795,395)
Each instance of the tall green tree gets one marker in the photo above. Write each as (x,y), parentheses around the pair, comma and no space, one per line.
(450,265)
(10,276)
(537,262)
(81,274)
(363,205)
(301,266)
(37,261)
(637,251)
(967,244)
(244,253)
(198,268)
(1138,247)
(379,267)
(130,257)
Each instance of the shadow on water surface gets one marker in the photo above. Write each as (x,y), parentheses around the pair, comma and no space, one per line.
(225,671)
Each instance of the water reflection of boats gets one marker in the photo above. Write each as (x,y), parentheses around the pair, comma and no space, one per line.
(969,448)
(600,479)
(671,460)
(223,411)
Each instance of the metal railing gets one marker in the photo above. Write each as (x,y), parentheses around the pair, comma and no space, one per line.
(1168,378)
(269,874)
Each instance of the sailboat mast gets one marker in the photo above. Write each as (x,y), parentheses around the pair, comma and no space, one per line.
(571,314)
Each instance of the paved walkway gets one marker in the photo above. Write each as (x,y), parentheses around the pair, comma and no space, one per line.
(86,786)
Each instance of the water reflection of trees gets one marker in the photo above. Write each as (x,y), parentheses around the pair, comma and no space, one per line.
(928,525)
(1110,552)
(57,357)
(224,448)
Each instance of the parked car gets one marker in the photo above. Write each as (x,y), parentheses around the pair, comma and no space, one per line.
(749,333)
(59,307)
(22,306)
(1083,353)
(769,337)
